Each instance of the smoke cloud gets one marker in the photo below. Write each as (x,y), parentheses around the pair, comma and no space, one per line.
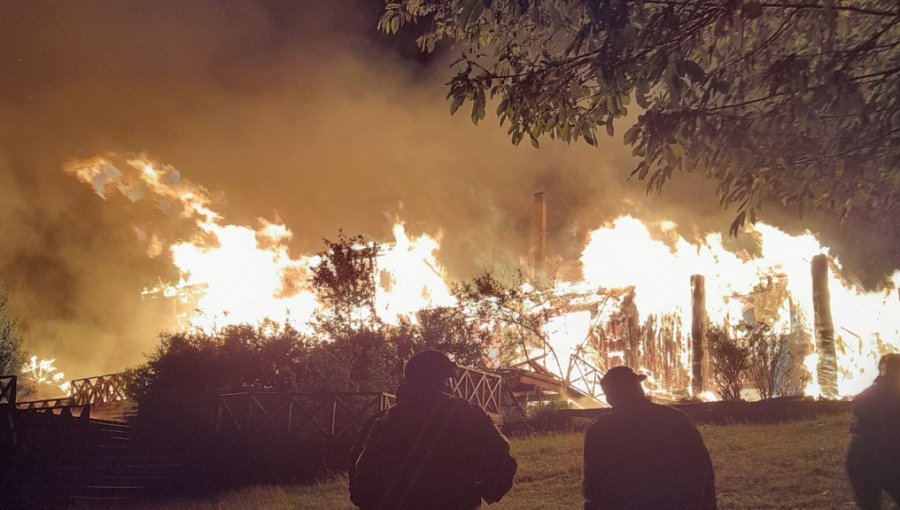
(294,109)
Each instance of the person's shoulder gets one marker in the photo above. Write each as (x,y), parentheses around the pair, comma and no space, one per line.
(866,398)
(465,407)
(605,419)
(670,411)
(671,414)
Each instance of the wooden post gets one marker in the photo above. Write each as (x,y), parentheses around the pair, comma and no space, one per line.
(540,238)
(824,327)
(8,391)
(333,416)
(699,364)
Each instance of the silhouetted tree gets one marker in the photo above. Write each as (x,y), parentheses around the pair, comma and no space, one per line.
(174,386)
(791,102)
(447,329)
(772,365)
(514,313)
(355,353)
(344,282)
(364,361)
(12,353)
(729,362)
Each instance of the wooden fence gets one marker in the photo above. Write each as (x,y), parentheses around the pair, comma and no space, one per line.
(305,416)
(101,389)
(83,393)
(58,406)
(480,388)
(332,416)
(7,390)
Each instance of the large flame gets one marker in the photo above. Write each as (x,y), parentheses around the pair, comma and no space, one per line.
(43,372)
(626,253)
(233,274)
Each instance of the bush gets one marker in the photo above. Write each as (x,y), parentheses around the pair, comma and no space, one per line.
(12,354)
(542,418)
(773,367)
(729,362)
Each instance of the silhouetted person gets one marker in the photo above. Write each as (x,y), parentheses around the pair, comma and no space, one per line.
(873,459)
(642,455)
(431,450)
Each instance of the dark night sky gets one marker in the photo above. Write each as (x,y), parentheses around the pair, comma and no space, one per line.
(295,108)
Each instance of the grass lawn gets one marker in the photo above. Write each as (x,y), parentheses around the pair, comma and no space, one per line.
(793,465)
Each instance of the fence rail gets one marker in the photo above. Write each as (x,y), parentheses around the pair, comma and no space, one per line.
(8,390)
(101,389)
(479,387)
(307,416)
(83,393)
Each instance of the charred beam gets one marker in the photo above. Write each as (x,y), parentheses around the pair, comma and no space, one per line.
(824,327)
(539,211)
(699,363)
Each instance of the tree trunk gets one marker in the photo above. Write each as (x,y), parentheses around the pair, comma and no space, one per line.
(827,368)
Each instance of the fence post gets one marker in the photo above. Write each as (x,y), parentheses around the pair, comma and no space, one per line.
(8,390)
(333,415)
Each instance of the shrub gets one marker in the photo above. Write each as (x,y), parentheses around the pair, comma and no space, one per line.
(729,362)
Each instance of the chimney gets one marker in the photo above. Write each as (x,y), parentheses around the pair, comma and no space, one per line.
(539,219)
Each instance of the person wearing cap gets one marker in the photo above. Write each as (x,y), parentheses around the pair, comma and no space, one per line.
(873,458)
(430,450)
(641,455)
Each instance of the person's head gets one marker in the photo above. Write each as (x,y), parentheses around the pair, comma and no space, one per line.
(889,369)
(622,386)
(429,369)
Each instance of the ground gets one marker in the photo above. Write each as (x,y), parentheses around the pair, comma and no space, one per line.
(792,465)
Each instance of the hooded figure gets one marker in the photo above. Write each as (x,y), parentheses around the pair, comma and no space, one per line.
(642,455)
(873,459)
(430,450)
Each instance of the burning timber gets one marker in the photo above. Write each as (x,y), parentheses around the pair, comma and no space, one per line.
(603,329)
(658,329)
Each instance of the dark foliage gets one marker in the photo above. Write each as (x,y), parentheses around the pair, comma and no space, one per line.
(12,353)
(345,284)
(773,368)
(175,387)
(787,102)
(730,360)
(448,330)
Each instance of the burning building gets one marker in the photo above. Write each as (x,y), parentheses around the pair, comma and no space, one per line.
(645,298)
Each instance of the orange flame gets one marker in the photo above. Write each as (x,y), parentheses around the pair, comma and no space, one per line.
(233,274)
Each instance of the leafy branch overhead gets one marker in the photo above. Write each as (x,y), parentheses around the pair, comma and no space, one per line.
(793,102)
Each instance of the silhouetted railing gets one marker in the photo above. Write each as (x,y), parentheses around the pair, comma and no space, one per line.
(83,393)
(58,406)
(101,389)
(480,388)
(305,416)
(584,377)
(47,403)
(7,390)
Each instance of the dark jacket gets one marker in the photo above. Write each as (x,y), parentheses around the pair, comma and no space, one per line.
(875,443)
(646,456)
(431,451)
